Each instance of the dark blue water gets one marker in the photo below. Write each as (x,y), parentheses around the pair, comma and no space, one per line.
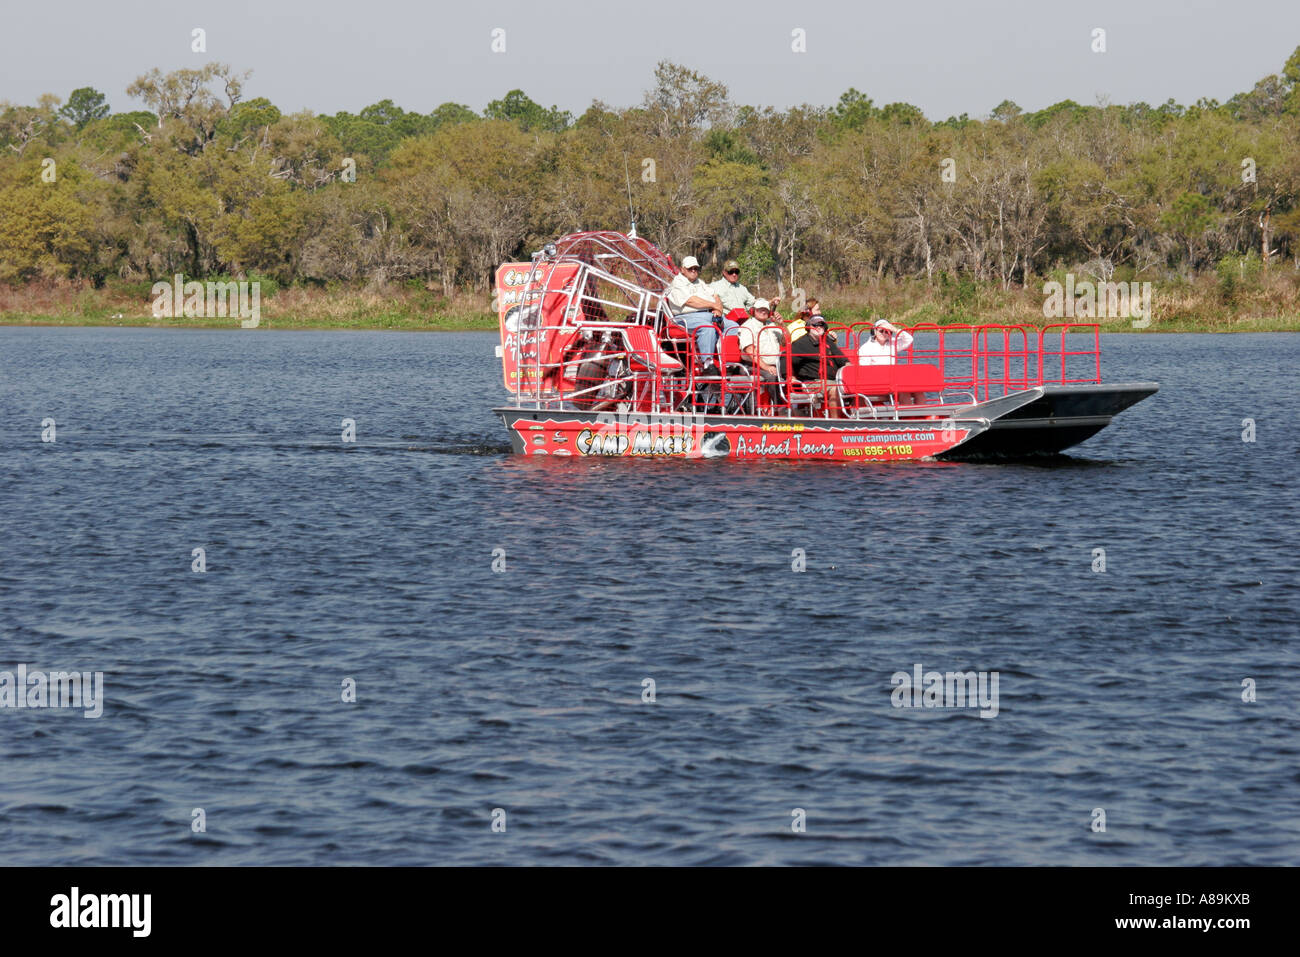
(522,689)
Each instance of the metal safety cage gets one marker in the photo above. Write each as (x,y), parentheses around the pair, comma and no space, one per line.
(582,293)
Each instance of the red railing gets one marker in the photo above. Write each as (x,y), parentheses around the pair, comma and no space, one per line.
(1008,367)
(992,360)
(609,364)
(1088,359)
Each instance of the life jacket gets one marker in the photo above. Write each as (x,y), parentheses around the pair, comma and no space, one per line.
(797,328)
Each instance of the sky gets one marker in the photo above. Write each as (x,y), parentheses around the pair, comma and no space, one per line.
(946,57)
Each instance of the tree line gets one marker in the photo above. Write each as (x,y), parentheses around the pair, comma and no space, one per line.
(206,182)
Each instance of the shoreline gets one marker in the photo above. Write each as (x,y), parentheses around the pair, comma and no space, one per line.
(488,323)
(450,324)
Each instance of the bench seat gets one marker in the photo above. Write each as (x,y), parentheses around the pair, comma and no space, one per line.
(891,380)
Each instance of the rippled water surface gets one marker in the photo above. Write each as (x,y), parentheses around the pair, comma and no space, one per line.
(522,689)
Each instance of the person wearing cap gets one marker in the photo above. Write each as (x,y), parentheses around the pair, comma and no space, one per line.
(697,308)
(882,349)
(731,292)
(814,357)
(760,345)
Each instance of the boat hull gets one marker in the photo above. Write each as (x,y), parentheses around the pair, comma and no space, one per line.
(1042,420)
(651,434)
(1049,419)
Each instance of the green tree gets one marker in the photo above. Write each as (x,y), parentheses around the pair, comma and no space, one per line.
(451,113)
(250,117)
(44,226)
(904,114)
(1006,111)
(684,103)
(517,107)
(185,99)
(84,104)
(462,200)
(1188,221)
(853,111)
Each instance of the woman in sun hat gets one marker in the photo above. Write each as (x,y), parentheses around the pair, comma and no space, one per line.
(882,349)
(886,341)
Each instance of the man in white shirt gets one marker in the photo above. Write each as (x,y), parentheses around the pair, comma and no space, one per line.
(698,309)
(760,345)
(760,340)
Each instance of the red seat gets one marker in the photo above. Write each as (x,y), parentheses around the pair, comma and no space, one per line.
(644,352)
(919,377)
(793,392)
(730,351)
(891,380)
(738,379)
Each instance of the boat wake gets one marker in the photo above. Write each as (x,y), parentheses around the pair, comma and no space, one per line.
(236,441)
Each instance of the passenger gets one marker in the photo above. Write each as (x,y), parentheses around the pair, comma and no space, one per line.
(810,353)
(698,309)
(882,349)
(760,346)
(799,324)
(731,292)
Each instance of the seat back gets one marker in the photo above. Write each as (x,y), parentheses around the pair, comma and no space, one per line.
(644,352)
(793,392)
(868,380)
(729,349)
(891,380)
(918,377)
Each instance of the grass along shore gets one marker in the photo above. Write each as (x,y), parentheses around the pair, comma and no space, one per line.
(1267,303)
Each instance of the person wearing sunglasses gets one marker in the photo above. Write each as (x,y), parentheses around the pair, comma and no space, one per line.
(882,349)
(815,357)
(697,308)
(886,342)
(732,293)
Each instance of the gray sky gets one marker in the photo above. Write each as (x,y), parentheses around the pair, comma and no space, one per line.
(945,56)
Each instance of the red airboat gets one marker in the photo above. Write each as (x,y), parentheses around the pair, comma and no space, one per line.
(597,366)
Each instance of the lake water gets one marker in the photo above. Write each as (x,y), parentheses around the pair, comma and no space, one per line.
(522,689)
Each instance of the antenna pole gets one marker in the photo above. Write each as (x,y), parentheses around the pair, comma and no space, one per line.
(631,214)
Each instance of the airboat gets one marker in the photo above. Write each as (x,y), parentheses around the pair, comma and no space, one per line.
(597,366)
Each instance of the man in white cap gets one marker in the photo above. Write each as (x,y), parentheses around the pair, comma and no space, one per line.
(698,309)
(760,344)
